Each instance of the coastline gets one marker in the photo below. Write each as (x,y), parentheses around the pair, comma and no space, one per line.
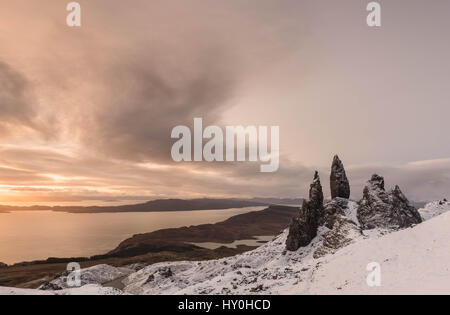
(159,205)
(173,244)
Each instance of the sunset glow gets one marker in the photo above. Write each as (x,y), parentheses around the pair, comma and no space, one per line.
(87,112)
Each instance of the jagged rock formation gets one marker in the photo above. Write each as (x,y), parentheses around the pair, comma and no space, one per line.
(3,265)
(304,227)
(344,218)
(381,209)
(339,184)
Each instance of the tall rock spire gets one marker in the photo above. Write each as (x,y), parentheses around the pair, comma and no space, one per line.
(339,184)
(303,228)
(315,192)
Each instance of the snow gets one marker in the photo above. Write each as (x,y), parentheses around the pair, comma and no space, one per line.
(434,208)
(268,269)
(351,212)
(98,274)
(412,261)
(17,291)
(89,289)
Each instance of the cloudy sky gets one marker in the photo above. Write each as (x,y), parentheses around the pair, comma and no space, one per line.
(86,113)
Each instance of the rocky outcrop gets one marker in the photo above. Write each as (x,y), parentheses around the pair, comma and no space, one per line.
(342,233)
(339,184)
(381,209)
(303,228)
(48,286)
(3,265)
(332,209)
(342,220)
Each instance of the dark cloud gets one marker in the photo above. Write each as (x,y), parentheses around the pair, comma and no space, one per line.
(147,96)
(16,102)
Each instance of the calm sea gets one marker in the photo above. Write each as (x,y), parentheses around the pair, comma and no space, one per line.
(36,235)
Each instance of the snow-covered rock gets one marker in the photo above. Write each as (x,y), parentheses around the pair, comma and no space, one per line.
(381,209)
(98,275)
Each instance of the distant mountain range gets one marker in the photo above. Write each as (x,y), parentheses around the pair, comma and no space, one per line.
(163,205)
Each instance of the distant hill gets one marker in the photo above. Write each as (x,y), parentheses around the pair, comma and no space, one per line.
(279,201)
(160,205)
(150,206)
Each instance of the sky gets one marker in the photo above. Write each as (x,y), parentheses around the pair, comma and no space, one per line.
(86,113)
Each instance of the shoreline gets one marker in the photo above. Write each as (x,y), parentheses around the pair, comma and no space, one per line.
(159,205)
(172,244)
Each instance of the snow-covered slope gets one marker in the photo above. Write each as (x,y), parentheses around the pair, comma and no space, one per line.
(267,269)
(414,260)
(99,274)
(89,289)
(434,208)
